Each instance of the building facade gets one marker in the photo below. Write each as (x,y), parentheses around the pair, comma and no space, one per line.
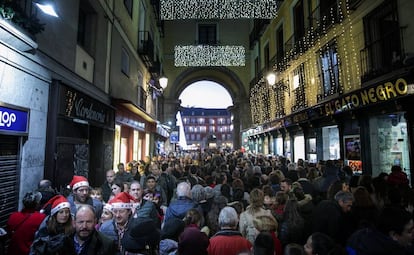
(207,128)
(78,92)
(344,79)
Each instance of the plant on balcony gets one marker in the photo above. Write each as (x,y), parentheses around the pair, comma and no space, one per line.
(10,10)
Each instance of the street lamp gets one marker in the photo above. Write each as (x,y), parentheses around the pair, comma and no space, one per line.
(271,78)
(163,82)
(47,7)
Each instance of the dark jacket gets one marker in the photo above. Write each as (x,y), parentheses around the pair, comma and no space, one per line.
(370,242)
(98,244)
(328,218)
(106,191)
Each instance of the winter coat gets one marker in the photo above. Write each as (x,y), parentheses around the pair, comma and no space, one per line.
(370,242)
(246,226)
(178,208)
(22,227)
(228,242)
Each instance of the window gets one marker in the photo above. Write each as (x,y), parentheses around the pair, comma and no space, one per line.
(383,51)
(257,67)
(125,62)
(207,34)
(142,95)
(86,27)
(279,44)
(329,68)
(201,121)
(267,56)
(129,5)
(328,12)
(299,21)
(299,88)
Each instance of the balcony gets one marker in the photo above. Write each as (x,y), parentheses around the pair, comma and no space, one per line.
(381,56)
(146,48)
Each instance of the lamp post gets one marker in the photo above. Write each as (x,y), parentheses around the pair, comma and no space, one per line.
(163,82)
(47,7)
(271,78)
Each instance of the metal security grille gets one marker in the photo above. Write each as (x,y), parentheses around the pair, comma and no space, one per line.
(9,181)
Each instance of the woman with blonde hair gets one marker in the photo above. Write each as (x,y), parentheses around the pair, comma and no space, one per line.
(254,210)
(266,223)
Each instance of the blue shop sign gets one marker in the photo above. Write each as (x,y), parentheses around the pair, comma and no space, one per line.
(14,120)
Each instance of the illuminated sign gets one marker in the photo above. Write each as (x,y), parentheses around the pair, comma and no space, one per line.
(367,96)
(14,120)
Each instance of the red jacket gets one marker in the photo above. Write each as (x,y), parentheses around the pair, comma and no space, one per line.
(228,242)
(22,227)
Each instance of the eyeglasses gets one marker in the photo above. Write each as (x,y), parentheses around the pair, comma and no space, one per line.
(115,188)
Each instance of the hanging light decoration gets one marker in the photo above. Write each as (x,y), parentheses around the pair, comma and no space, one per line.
(218,9)
(208,55)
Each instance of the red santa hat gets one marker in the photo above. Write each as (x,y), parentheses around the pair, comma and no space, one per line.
(122,200)
(57,203)
(78,181)
(108,207)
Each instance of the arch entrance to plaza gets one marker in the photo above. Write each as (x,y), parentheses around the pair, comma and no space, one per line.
(221,75)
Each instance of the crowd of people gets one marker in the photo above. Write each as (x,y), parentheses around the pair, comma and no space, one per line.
(220,203)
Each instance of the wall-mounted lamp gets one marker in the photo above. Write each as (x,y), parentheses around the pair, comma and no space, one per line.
(47,7)
(163,82)
(271,78)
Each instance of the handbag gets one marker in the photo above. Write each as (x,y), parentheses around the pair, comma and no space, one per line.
(49,244)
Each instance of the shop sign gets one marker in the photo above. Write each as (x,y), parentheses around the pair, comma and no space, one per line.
(80,106)
(14,120)
(364,97)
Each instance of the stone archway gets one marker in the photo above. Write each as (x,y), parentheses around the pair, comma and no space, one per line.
(221,75)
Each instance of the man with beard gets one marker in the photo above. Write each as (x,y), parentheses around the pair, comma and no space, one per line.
(81,196)
(86,240)
(122,216)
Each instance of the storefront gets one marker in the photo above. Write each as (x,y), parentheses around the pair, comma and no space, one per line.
(134,133)
(371,129)
(80,136)
(14,129)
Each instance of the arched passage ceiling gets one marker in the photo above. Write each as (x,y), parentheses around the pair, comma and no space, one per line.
(221,75)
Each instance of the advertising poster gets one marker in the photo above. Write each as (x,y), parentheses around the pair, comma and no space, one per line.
(352,147)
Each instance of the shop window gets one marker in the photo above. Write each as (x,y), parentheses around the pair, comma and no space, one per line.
(389,143)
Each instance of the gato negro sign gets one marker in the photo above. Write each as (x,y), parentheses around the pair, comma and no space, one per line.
(364,97)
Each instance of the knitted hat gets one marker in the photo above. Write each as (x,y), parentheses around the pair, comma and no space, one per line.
(78,181)
(57,203)
(122,200)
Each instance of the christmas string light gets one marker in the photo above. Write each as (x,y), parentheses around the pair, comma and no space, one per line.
(208,55)
(218,9)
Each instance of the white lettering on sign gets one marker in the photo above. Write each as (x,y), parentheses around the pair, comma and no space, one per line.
(7,119)
(88,112)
